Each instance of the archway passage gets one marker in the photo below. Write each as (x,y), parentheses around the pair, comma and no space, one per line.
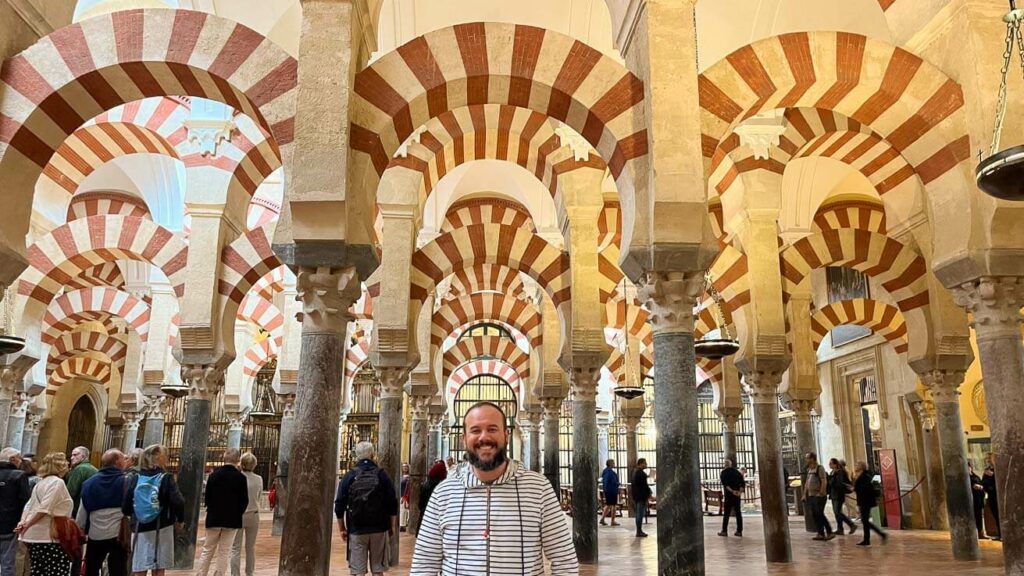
(485,387)
(81,425)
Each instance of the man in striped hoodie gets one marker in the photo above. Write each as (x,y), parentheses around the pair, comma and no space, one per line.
(492,516)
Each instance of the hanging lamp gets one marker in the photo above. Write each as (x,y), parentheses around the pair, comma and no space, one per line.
(263,407)
(627,391)
(1001,174)
(9,343)
(726,345)
(174,389)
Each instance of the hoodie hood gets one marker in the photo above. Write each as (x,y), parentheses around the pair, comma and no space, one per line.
(466,476)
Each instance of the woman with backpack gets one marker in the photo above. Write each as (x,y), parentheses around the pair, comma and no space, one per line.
(48,511)
(153,501)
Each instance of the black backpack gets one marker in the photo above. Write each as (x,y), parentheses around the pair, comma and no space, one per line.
(365,497)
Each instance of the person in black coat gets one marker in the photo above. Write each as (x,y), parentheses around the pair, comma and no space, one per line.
(864,488)
(641,492)
(227,497)
(733,485)
(988,482)
(978,492)
(839,486)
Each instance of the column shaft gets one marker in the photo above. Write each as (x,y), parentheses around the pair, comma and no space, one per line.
(235,438)
(389,452)
(729,441)
(5,415)
(805,443)
(764,388)
(584,473)
(551,446)
(417,465)
(15,429)
(937,517)
(154,433)
(433,446)
(284,453)
(130,438)
(192,465)
(535,448)
(959,501)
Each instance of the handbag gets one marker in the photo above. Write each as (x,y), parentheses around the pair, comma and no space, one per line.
(124,534)
(70,537)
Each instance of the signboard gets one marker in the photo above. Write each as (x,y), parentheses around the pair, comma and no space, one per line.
(892,505)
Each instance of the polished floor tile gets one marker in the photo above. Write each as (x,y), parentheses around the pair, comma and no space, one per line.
(907,553)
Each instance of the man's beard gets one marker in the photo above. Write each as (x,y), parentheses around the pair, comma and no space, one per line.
(500,457)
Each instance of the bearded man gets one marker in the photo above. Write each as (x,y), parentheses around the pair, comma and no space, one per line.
(492,516)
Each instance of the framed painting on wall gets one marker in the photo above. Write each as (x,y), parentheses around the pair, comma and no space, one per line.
(846,284)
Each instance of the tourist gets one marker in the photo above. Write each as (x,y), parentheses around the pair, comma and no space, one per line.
(227,498)
(494,515)
(14,494)
(978,492)
(404,491)
(610,488)
(988,481)
(100,514)
(28,466)
(47,511)
(155,504)
(81,470)
(367,510)
(733,485)
(250,520)
(864,488)
(816,496)
(839,486)
(451,464)
(437,474)
(641,493)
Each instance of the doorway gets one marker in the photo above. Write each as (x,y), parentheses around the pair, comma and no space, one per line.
(81,425)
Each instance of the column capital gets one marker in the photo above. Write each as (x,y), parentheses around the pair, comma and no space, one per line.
(926,412)
(630,422)
(583,380)
(436,420)
(236,420)
(153,406)
(763,385)
(552,406)
(33,422)
(286,402)
(20,404)
(326,295)
(669,298)
(802,407)
(994,303)
(131,419)
(943,384)
(419,406)
(392,380)
(204,380)
(729,416)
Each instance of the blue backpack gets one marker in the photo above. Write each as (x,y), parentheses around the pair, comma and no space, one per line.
(147,498)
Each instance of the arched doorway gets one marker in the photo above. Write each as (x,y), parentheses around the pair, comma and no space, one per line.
(81,425)
(483,387)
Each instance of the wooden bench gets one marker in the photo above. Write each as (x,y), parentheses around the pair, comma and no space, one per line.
(713,502)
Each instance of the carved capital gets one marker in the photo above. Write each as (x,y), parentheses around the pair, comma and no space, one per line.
(33,422)
(204,380)
(669,299)
(802,408)
(392,381)
(630,422)
(131,420)
(943,384)
(326,295)
(154,406)
(926,412)
(436,420)
(762,386)
(286,402)
(994,303)
(236,420)
(419,406)
(20,404)
(729,417)
(583,380)
(551,406)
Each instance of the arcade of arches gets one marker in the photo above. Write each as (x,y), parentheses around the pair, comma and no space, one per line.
(325,221)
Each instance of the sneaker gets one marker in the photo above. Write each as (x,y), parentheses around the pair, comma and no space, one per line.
(830,536)
(819,537)
(740,534)
(724,534)
(603,524)
(641,535)
(863,543)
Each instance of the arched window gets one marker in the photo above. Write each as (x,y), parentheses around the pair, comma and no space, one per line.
(486,329)
(81,425)
(479,388)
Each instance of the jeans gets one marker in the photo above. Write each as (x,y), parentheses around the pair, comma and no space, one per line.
(640,509)
(96,551)
(245,537)
(841,519)
(8,553)
(215,551)
(865,520)
(817,506)
(733,503)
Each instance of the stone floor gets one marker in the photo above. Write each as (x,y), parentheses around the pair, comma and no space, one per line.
(907,553)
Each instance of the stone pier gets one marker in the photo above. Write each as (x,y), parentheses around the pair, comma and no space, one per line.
(585,467)
(729,418)
(389,443)
(763,387)
(418,465)
(937,517)
(286,403)
(943,385)
(536,417)
(803,425)
(552,410)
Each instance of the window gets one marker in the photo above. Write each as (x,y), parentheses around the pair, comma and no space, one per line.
(486,329)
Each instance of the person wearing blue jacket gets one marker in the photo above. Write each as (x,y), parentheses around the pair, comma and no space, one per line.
(610,487)
(100,514)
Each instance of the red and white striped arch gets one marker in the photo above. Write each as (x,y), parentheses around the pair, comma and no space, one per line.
(486,277)
(487,211)
(107,204)
(482,367)
(256,357)
(264,314)
(79,367)
(609,226)
(858,214)
(271,283)
(70,308)
(243,263)
(616,365)
(165,115)
(79,71)
(261,212)
(362,309)
(74,343)
(68,250)
(106,274)
(880,318)
(476,64)
(498,347)
(483,307)
(357,355)
(631,317)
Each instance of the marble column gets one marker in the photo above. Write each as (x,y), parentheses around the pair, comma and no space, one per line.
(419,407)
(204,382)
(943,385)
(115,439)
(552,411)
(602,444)
(326,295)
(446,438)
(729,423)
(535,417)
(154,433)
(937,518)
(584,462)
(994,304)
(5,415)
(805,442)
(16,420)
(286,402)
(235,422)
(630,423)
(669,299)
(30,438)
(763,387)
(130,431)
(434,440)
(525,428)
(389,449)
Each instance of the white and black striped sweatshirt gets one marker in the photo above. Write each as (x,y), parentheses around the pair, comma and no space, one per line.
(507,527)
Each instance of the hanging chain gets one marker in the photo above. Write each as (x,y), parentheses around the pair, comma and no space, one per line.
(1012,28)
(716,297)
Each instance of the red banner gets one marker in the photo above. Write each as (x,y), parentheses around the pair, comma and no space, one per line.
(892,505)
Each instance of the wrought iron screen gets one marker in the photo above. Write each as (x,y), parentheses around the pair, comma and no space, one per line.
(362,421)
(483,387)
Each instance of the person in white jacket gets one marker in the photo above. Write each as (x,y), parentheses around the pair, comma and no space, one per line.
(493,516)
